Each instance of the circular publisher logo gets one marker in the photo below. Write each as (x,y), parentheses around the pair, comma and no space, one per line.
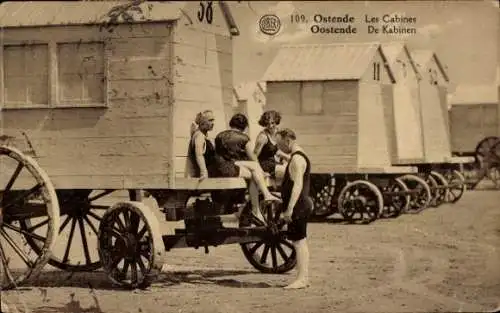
(270,24)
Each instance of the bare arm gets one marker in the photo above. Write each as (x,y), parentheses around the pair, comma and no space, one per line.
(297,169)
(249,151)
(283,155)
(261,141)
(199,149)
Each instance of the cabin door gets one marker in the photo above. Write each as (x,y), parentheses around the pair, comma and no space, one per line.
(436,139)
(407,126)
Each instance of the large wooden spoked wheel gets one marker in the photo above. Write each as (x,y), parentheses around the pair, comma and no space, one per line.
(27,195)
(323,201)
(484,148)
(432,183)
(273,253)
(395,204)
(441,191)
(494,171)
(360,201)
(81,214)
(456,185)
(420,193)
(130,245)
(322,195)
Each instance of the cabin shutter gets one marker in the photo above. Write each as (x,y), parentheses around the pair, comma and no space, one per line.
(26,75)
(80,73)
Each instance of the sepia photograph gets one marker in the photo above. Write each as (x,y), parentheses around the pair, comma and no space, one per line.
(249,156)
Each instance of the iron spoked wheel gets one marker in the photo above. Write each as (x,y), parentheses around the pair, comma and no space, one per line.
(441,192)
(27,195)
(323,202)
(420,193)
(360,201)
(395,204)
(130,245)
(81,216)
(456,186)
(274,253)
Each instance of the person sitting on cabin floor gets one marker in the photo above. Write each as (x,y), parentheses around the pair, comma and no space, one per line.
(201,151)
(297,205)
(266,148)
(234,157)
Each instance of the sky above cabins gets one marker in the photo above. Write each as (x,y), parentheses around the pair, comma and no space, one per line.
(464,34)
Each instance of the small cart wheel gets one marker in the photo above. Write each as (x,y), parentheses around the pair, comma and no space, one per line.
(456,186)
(420,193)
(360,201)
(130,245)
(274,253)
(27,195)
(441,189)
(394,205)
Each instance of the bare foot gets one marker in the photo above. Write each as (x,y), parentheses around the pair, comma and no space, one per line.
(298,284)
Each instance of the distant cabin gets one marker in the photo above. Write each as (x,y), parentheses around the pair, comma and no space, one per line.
(250,100)
(109,103)
(474,115)
(433,104)
(331,96)
(403,106)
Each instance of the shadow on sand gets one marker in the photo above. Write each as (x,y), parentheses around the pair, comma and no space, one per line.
(98,279)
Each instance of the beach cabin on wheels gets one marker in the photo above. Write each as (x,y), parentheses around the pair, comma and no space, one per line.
(474,115)
(331,96)
(106,91)
(334,97)
(403,106)
(250,100)
(432,91)
(102,95)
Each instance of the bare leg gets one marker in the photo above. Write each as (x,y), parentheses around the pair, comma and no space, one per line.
(302,280)
(258,177)
(253,191)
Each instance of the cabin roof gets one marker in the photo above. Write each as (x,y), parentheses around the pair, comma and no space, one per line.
(244,91)
(43,13)
(474,94)
(46,13)
(422,59)
(393,49)
(337,61)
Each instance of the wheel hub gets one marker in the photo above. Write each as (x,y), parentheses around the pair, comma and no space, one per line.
(359,202)
(127,245)
(79,209)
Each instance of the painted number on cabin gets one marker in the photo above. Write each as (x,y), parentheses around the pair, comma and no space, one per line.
(206,12)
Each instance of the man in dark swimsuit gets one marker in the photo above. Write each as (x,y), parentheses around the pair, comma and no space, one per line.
(297,205)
